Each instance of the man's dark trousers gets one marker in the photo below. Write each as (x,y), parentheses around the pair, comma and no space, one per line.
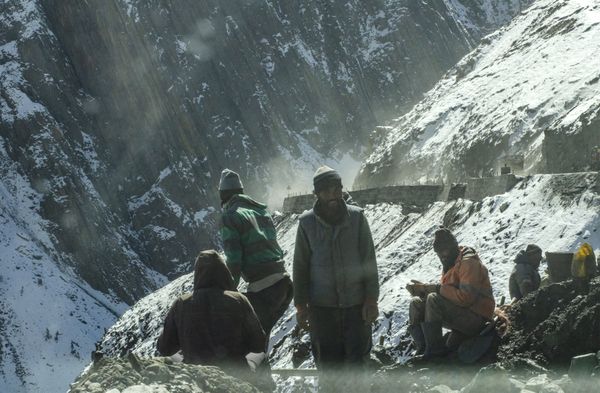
(341,341)
(270,303)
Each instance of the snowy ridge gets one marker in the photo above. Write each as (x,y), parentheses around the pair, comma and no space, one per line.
(69,316)
(50,318)
(15,103)
(495,12)
(557,212)
(540,72)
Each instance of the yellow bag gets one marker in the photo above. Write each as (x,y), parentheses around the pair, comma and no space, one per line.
(583,264)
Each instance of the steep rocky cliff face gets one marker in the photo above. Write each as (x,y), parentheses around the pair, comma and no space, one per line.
(538,76)
(122,113)
(570,143)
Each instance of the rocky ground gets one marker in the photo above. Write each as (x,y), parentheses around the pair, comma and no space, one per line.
(525,376)
(133,374)
(547,330)
(554,324)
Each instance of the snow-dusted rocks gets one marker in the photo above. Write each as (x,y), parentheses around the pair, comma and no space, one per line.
(122,113)
(158,375)
(540,73)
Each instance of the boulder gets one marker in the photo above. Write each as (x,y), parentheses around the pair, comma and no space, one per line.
(157,375)
(582,366)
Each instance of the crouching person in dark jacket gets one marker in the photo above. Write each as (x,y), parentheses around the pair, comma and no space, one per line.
(525,277)
(336,284)
(213,325)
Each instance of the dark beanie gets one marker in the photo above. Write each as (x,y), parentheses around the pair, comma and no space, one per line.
(533,249)
(443,240)
(230,181)
(323,176)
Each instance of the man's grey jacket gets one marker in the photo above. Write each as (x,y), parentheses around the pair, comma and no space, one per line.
(335,265)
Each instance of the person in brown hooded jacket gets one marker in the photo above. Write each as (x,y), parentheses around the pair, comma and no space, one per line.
(213,325)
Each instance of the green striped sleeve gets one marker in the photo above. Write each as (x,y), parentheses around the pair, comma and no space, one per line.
(231,241)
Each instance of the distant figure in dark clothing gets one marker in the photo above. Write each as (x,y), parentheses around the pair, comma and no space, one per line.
(213,325)
(525,277)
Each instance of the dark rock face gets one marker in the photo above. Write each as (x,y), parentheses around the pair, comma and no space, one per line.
(561,142)
(121,114)
(554,324)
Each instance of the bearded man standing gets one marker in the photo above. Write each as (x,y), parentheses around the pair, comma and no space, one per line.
(335,278)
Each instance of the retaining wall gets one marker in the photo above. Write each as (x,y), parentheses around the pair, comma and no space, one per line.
(298,203)
(419,196)
(570,150)
(479,188)
(457,190)
(407,195)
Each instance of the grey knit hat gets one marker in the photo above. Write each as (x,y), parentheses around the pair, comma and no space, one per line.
(230,181)
(323,176)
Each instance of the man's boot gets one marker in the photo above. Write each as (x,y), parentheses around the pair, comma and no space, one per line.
(416,333)
(434,341)
(455,339)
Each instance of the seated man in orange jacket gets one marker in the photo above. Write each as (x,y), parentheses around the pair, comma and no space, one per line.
(462,302)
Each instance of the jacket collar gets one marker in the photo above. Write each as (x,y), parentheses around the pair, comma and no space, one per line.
(457,261)
(243,200)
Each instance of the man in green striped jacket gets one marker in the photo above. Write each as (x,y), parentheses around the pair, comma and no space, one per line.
(250,244)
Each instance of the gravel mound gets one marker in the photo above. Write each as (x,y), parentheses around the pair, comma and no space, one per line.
(554,324)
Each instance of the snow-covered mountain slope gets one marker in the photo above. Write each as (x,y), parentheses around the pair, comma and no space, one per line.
(49,318)
(539,74)
(123,113)
(477,15)
(557,212)
(118,115)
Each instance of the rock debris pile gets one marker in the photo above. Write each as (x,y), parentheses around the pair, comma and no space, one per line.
(132,374)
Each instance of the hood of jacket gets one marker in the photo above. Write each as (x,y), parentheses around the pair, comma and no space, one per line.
(212,272)
(243,200)
(522,258)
